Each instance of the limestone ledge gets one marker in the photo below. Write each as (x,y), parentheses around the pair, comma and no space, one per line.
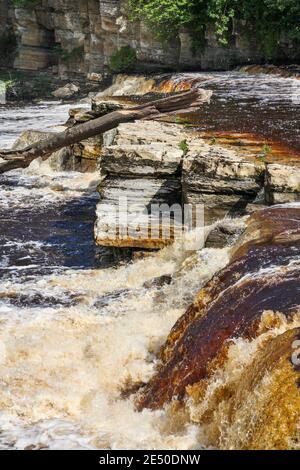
(146,163)
(79,36)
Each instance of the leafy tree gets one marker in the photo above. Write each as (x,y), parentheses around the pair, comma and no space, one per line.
(269,18)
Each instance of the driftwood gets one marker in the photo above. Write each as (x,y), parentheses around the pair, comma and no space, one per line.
(186,102)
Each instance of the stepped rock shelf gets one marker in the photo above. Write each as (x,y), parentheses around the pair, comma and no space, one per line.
(143,162)
(154,162)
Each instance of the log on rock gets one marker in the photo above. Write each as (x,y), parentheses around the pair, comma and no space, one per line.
(12,159)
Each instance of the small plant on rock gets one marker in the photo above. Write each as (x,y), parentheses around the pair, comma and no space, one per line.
(123,60)
(184,146)
(266,150)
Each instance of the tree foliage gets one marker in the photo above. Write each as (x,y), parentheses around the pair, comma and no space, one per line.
(269,18)
(123,60)
(25,3)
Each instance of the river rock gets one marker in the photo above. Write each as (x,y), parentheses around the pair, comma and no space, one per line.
(123,214)
(220,179)
(263,411)
(67,91)
(154,159)
(58,161)
(282,183)
(95,77)
(79,37)
(225,178)
(263,275)
(140,165)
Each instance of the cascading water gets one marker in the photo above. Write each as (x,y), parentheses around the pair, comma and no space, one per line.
(262,105)
(75,333)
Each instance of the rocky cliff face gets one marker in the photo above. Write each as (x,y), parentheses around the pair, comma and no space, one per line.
(79,36)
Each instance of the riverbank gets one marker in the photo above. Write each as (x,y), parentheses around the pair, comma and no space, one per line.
(33,86)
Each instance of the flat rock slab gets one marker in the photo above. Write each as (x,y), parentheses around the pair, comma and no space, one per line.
(227,175)
(154,159)
(124,215)
(140,164)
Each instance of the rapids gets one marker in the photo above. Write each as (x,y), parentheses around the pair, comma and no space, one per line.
(76,330)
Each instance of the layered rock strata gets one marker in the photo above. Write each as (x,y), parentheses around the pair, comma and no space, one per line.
(223,178)
(79,37)
(141,170)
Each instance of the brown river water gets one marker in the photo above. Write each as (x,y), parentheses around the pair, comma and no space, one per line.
(77,328)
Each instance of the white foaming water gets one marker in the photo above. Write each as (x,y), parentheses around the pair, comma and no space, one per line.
(261,87)
(64,368)
(43,117)
(71,341)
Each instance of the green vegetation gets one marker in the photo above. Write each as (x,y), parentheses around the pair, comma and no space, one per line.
(25,3)
(265,151)
(19,86)
(123,60)
(184,146)
(67,56)
(268,18)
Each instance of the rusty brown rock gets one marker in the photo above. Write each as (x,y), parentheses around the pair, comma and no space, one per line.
(263,413)
(263,275)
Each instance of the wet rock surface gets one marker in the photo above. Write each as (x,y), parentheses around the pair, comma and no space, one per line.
(263,275)
(255,406)
(227,176)
(266,402)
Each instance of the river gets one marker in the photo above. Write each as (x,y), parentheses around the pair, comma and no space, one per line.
(75,329)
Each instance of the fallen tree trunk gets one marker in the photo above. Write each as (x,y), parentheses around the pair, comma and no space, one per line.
(188,101)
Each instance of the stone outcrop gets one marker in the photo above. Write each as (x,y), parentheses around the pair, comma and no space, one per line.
(263,412)
(220,179)
(223,178)
(282,183)
(253,401)
(140,167)
(59,161)
(79,36)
